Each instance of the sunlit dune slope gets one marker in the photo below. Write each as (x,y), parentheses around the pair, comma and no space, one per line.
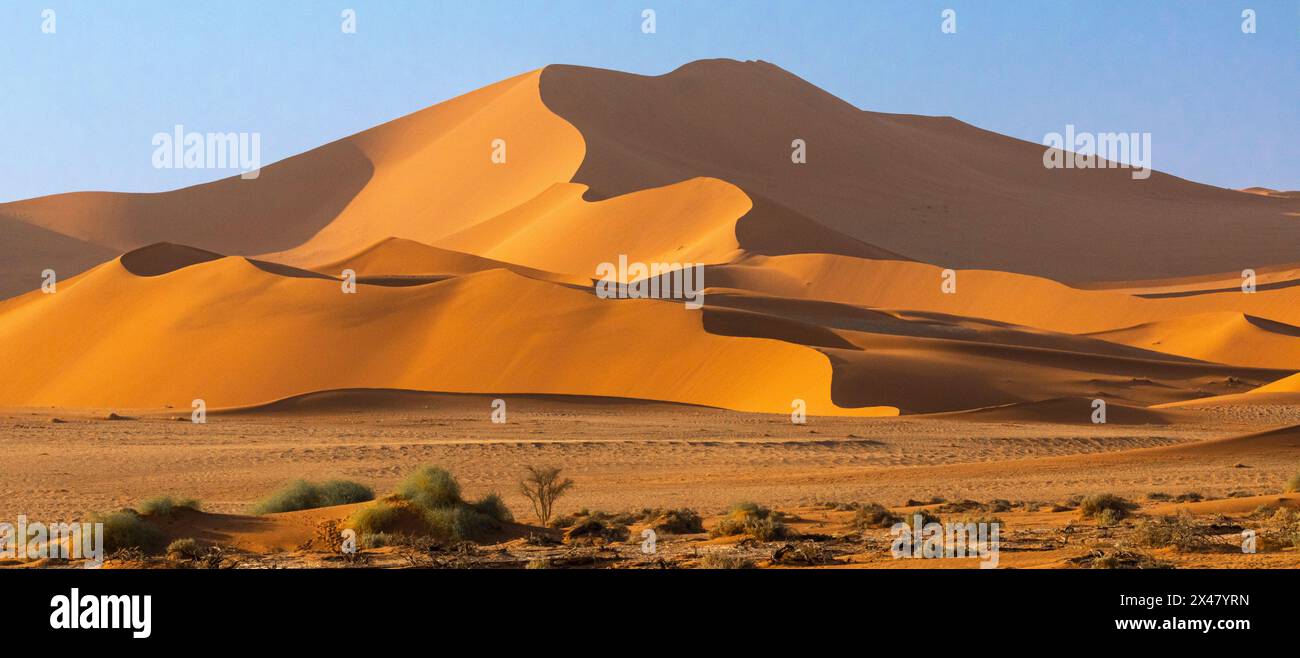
(931,188)
(1287,385)
(398,257)
(285,205)
(1222,337)
(1001,296)
(689,222)
(234,334)
(924,363)
(422,176)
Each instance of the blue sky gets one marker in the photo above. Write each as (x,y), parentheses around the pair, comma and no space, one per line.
(78,108)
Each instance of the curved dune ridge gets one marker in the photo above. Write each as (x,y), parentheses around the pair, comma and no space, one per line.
(824,280)
(495,331)
(931,188)
(1222,337)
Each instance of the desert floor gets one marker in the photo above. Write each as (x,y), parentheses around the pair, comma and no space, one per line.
(627,456)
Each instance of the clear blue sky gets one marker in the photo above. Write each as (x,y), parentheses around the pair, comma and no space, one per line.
(78,108)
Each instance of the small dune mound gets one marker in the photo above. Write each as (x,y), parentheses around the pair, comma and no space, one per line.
(163,257)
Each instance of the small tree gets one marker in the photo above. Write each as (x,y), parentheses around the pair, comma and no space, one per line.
(542,486)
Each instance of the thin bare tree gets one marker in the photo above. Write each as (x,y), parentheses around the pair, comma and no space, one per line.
(542,486)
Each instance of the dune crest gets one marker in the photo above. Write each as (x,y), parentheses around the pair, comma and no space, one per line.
(136,348)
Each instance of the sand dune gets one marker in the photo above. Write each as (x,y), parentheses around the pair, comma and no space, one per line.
(1001,296)
(1288,385)
(694,222)
(930,188)
(401,258)
(211,330)
(1222,337)
(422,176)
(27,250)
(475,272)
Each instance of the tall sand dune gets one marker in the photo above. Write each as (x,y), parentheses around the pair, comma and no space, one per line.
(930,188)
(234,334)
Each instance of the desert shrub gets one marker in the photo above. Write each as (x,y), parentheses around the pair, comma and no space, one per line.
(959,506)
(998,506)
(1293,484)
(1179,532)
(542,486)
(381,539)
(593,529)
(1189,497)
(184,549)
(751,519)
(431,487)
(165,505)
(563,521)
(429,505)
(874,515)
(679,522)
(1158,496)
(125,530)
(301,494)
(725,560)
(1093,505)
(932,500)
(984,518)
(384,517)
(768,529)
(1279,529)
(495,508)
(925,517)
(1120,558)
(460,523)
(1109,517)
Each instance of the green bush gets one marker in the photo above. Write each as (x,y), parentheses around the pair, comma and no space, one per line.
(874,515)
(1293,484)
(1094,505)
(495,508)
(459,523)
(384,517)
(165,505)
(431,487)
(301,494)
(126,529)
(753,520)
(429,505)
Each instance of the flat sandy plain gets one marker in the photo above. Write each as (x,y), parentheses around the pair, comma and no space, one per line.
(629,455)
